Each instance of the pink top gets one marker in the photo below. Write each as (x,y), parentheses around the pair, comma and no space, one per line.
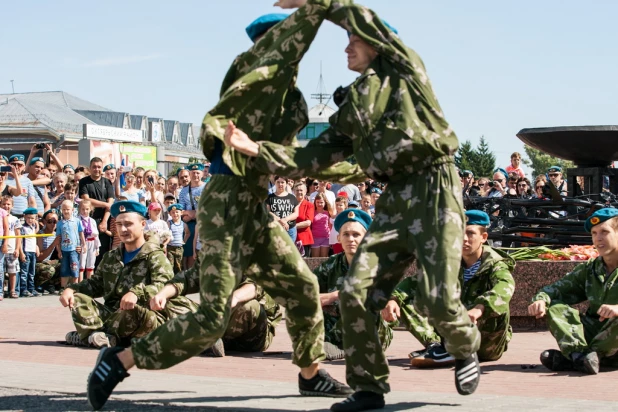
(320,226)
(3,214)
(511,169)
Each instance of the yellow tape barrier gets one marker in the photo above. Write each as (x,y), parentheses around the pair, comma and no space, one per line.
(23,236)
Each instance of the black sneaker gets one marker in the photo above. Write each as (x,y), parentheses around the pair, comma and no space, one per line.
(436,356)
(360,401)
(333,352)
(107,373)
(322,384)
(25,294)
(35,294)
(587,363)
(555,361)
(467,374)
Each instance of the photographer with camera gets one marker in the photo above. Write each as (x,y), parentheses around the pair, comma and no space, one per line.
(498,185)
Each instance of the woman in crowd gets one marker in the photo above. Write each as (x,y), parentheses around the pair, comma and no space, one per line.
(362,188)
(483,184)
(59,180)
(131,192)
(306,211)
(151,194)
(524,189)
(321,226)
(162,184)
(283,206)
(539,185)
(6,189)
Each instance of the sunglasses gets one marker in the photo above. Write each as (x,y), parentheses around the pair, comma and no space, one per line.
(499,180)
(52,221)
(316,184)
(554,174)
(540,187)
(484,184)
(17,164)
(3,174)
(522,185)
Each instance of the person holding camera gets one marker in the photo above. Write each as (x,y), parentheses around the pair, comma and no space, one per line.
(498,185)
(100,192)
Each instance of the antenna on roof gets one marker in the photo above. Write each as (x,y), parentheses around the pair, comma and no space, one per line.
(12,86)
(321,94)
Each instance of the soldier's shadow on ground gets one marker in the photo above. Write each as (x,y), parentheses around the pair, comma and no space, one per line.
(38,343)
(533,368)
(48,402)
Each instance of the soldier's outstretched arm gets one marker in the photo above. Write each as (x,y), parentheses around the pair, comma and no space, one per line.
(570,290)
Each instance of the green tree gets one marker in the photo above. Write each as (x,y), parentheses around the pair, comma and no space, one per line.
(465,157)
(484,160)
(539,162)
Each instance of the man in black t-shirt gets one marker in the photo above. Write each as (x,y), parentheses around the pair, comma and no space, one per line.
(100,192)
(283,206)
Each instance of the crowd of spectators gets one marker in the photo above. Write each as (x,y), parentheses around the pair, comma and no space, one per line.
(40,196)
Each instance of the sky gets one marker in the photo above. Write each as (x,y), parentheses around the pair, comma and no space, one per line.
(496,67)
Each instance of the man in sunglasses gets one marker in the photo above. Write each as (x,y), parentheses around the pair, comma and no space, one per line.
(27,197)
(499,188)
(555,176)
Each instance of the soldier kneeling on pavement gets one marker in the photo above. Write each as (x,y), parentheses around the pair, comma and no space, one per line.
(254,317)
(590,339)
(351,225)
(487,288)
(127,278)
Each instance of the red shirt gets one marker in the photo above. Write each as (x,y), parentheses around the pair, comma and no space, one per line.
(306,211)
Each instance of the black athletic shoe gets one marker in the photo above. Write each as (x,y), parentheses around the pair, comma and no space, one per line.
(467,374)
(436,356)
(333,352)
(360,401)
(555,361)
(107,373)
(322,384)
(587,363)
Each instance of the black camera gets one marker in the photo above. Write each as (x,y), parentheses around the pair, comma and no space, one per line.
(40,146)
(151,180)
(490,183)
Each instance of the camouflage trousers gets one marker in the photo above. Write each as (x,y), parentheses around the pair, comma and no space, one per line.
(239,236)
(495,332)
(174,255)
(582,333)
(47,272)
(91,316)
(421,217)
(333,331)
(248,329)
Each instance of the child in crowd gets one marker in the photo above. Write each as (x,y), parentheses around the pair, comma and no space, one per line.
(4,231)
(366,205)
(180,235)
(70,237)
(11,257)
(28,254)
(70,193)
(169,200)
(91,235)
(321,226)
(157,225)
(375,194)
(341,204)
(515,166)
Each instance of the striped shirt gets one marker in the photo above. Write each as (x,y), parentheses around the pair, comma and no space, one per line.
(471,271)
(178,233)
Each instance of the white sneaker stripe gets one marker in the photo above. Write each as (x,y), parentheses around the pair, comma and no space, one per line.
(467,368)
(107,367)
(465,375)
(468,379)
(318,387)
(102,371)
(96,372)
(326,389)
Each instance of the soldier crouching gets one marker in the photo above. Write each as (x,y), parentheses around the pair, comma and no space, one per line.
(127,278)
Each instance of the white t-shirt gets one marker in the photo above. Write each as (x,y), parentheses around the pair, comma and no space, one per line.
(332,239)
(159,226)
(14,223)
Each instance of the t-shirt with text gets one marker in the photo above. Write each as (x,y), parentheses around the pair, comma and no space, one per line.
(282,206)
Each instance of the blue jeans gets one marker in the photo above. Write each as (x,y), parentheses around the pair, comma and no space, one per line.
(2,272)
(26,273)
(69,267)
(293,232)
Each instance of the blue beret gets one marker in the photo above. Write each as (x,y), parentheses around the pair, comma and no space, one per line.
(68,166)
(394,30)
(49,211)
(554,169)
(127,206)
(18,157)
(195,166)
(109,167)
(36,159)
(262,24)
(352,215)
(467,173)
(376,190)
(6,159)
(175,206)
(477,217)
(502,171)
(31,211)
(600,216)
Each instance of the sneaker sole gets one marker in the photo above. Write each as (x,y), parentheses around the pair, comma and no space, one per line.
(431,363)
(324,394)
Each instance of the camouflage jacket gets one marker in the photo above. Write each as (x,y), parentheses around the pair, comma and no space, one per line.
(259,94)
(587,282)
(145,276)
(389,118)
(330,276)
(188,282)
(491,286)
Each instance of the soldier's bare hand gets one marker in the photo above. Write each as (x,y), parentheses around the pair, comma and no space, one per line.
(475,313)
(607,312)
(537,309)
(158,302)
(327,299)
(67,298)
(290,4)
(391,311)
(128,301)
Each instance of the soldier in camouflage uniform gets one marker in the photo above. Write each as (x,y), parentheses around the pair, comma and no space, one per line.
(126,279)
(590,339)
(47,270)
(254,316)
(390,119)
(487,289)
(239,236)
(330,276)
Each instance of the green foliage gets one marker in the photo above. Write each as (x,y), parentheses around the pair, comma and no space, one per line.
(539,162)
(480,160)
